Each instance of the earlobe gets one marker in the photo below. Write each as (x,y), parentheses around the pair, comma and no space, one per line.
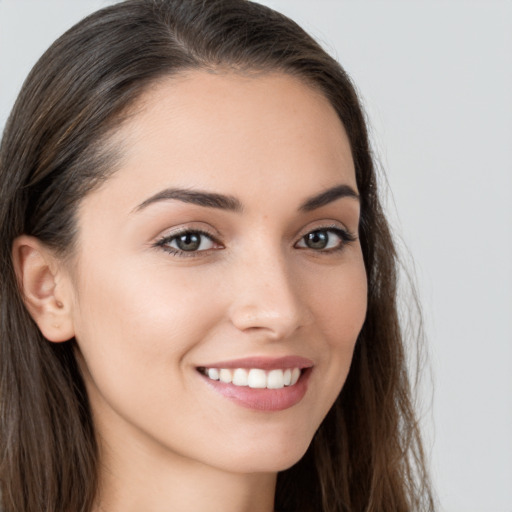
(44,288)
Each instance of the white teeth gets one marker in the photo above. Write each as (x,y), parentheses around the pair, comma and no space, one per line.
(275,379)
(213,373)
(240,377)
(225,376)
(255,377)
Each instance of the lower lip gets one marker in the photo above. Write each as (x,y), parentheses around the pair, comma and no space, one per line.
(263,399)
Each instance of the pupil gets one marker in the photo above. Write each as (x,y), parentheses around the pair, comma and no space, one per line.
(189,242)
(317,240)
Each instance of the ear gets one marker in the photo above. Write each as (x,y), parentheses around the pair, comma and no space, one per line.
(45,288)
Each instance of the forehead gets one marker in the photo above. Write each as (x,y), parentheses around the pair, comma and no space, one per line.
(232,133)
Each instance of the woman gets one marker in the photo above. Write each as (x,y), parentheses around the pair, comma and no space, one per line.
(198,293)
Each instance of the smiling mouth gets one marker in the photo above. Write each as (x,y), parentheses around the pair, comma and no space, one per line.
(255,378)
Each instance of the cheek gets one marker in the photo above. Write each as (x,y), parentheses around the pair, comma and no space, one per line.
(339,302)
(137,331)
(141,317)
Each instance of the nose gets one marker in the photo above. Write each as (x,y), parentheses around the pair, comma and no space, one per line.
(267,298)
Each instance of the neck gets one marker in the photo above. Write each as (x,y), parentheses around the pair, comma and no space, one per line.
(174,483)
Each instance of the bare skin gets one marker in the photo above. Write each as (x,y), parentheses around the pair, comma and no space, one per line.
(149,309)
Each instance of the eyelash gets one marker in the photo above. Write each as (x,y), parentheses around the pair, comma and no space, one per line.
(344,235)
(166,240)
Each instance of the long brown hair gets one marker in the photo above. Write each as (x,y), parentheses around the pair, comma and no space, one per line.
(367,454)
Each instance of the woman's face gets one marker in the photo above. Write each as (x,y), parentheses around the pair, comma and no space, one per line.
(227,240)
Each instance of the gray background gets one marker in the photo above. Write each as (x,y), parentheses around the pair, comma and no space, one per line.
(436,79)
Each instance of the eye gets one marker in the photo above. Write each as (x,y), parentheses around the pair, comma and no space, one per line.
(325,239)
(190,241)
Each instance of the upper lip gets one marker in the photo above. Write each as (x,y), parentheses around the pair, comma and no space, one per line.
(264,363)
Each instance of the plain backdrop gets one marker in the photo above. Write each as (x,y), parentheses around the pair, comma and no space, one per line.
(436,81)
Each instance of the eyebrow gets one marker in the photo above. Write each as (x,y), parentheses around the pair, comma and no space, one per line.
(200,198)
(231,203)
(328,196)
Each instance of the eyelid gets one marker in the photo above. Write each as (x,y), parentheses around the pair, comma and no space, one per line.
(347,237)
(325,225)
(163,241)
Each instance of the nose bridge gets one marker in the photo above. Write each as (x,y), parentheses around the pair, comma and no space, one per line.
(266,294)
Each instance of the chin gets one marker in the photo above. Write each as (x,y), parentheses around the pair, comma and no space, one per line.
(268,458)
